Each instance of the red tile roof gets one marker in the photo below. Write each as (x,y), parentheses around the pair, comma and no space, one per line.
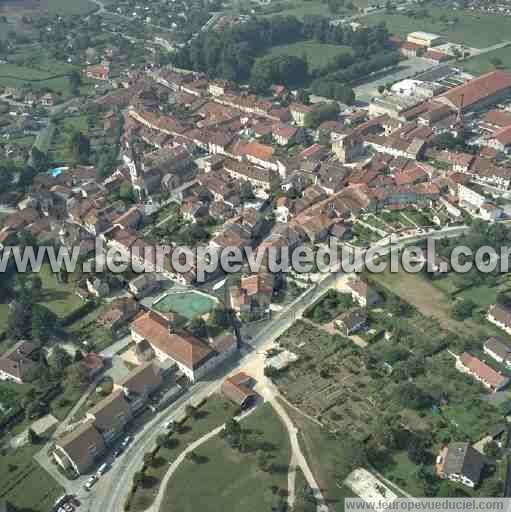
(477,89)
(482,370)
(504,135)
(498,118)
(259,151)
(436,55)
(182,347)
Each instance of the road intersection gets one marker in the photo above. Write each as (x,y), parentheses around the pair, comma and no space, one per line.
(110,492)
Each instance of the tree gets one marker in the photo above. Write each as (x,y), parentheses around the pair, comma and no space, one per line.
(7,173)
(75,81)
(161,440)
(138,478)
(246,192)
(126,192)
(10,507)
(335,6)
(282,69)
(192,456)
(417,450)
(191,411)
(33,438)
(496,62)
(19,320)
(491,449)
(37,287)
(148,458)
(198,327)
(263,460)
(411,396)
(448,141)
(79,146)
(504,299)
(44,323)
(463,309)
(327,112)
(77,376)
(34,410)
(232,433)
(59,360)
(38,159)
(381,89)
(302,96)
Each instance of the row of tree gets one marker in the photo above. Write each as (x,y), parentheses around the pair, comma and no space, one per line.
(234,54)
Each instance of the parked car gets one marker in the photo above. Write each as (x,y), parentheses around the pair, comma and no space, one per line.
(103,469)
(117,452)
(90,482)
(126,441)
(169,425)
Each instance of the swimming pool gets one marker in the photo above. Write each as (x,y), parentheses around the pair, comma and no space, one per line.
(190,304)
(57,171)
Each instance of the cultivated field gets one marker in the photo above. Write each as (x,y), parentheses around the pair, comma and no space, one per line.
(486,62)
(472,29)
(325,382)
(432,300)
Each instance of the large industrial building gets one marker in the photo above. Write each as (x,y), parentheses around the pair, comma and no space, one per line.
(425,39)
(479,93)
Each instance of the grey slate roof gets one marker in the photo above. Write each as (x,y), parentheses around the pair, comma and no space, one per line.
(464,460)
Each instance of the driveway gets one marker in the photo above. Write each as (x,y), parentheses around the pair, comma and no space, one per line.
(116,347)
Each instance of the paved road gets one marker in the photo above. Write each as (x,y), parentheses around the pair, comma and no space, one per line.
(110,492)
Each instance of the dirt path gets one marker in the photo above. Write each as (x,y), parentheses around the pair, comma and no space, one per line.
(270,393)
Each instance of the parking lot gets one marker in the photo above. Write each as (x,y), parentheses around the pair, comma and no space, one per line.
(406,69)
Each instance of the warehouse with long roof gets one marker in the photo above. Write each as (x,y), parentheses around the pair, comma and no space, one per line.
(479,93)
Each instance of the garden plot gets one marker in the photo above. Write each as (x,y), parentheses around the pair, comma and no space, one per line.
(326,381)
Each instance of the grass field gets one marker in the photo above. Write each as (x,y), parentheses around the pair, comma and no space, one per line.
(483,63)
(59,149)
(88,329)
(472,29)
(302,8)
(66,8)
(25,484)
(212,414)
(58,297)
(321,451)
(229,480)
(318,55)
(12,75)
(4,316)
(34,66)
(429,300)
(403,472)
